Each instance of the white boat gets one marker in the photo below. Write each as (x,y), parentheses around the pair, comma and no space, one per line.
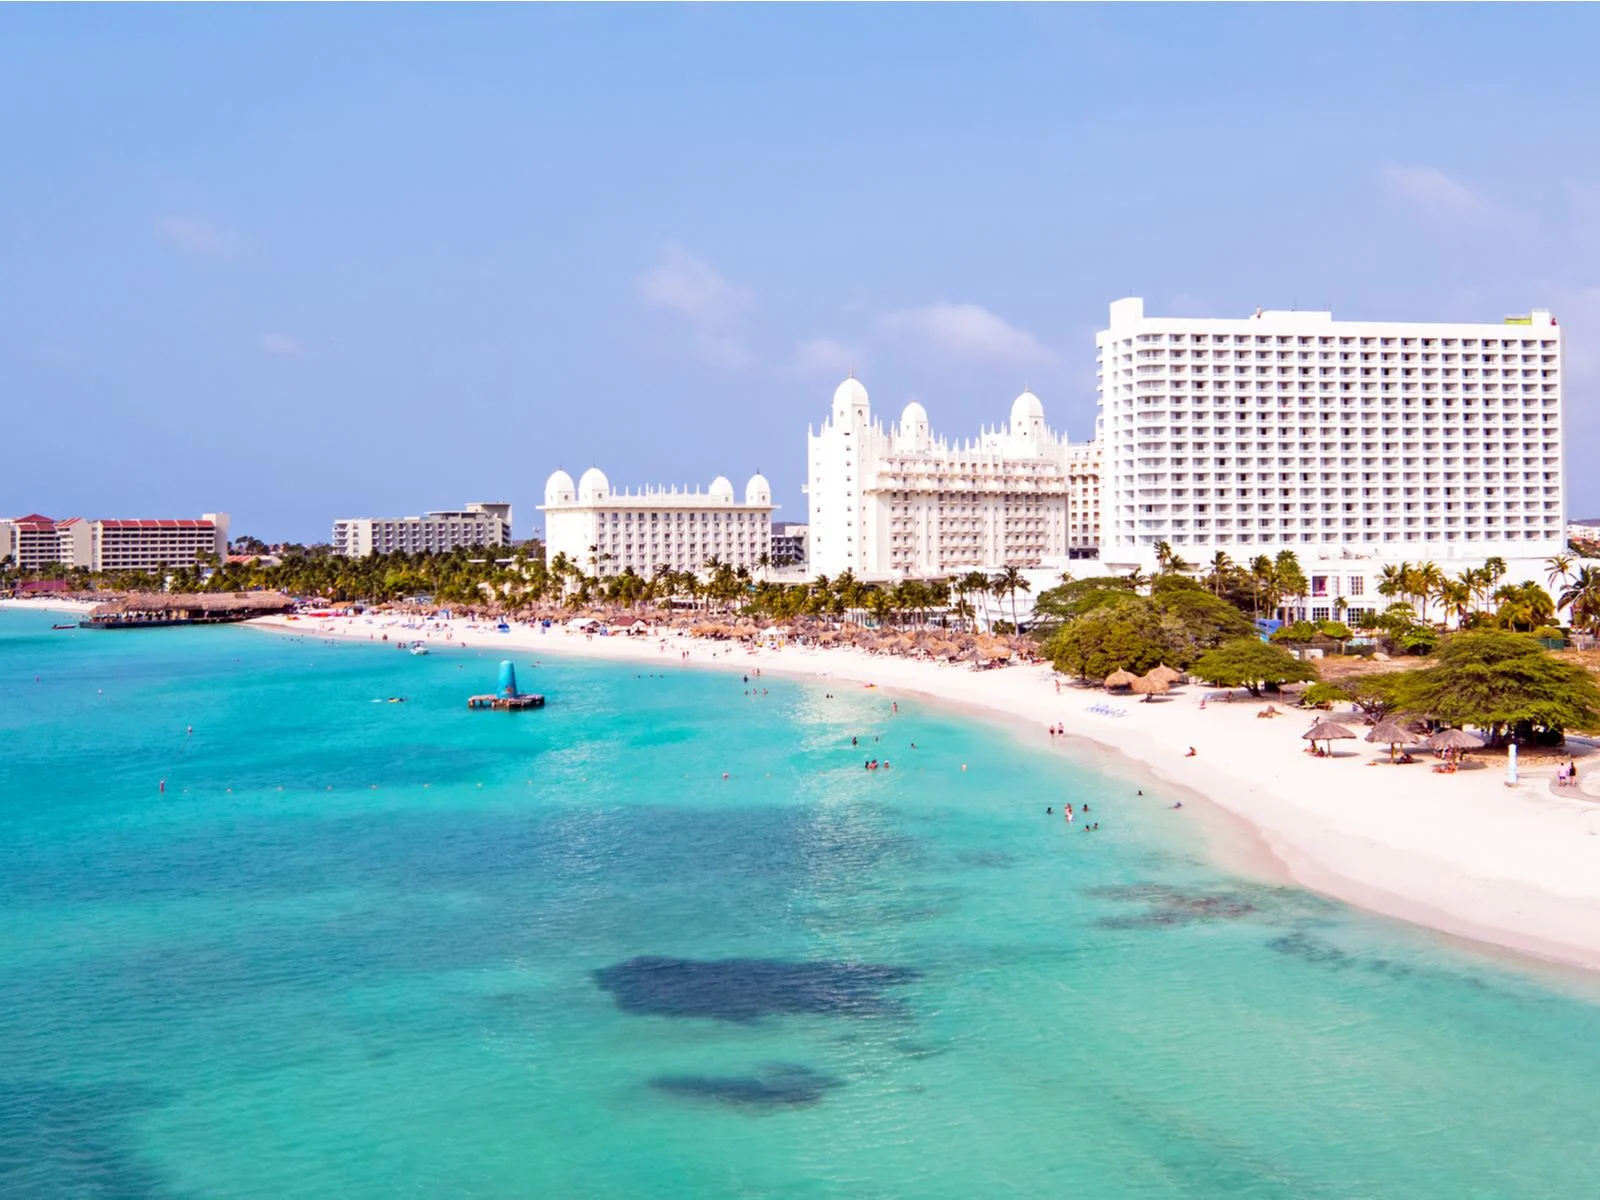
(418,648)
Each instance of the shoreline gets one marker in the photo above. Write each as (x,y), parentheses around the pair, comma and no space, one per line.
(1463,855)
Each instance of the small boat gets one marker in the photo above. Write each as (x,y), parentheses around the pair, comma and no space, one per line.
(418,649)
(72,626)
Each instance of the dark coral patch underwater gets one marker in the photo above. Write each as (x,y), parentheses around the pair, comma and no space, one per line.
(777,1085)
(747,989)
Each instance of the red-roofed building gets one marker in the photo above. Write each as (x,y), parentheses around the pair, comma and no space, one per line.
(113,545)
(30,542)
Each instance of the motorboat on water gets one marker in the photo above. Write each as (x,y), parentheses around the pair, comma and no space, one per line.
(418,648)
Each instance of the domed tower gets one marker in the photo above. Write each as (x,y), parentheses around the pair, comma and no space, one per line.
(558,489)
(593,486)
(912,432)
(1027,419)
(721,490)
(850,406)
(758,490)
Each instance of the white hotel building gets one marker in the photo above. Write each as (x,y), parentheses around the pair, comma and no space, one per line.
(603,532)
(478,524)
(898,503)
(1354,444)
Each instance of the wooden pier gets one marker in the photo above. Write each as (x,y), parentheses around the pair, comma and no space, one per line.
(150,610)
(507,703)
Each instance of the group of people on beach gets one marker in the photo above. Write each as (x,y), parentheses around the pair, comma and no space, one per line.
(1567,774)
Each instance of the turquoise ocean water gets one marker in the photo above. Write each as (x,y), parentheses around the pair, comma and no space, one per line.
(372,949)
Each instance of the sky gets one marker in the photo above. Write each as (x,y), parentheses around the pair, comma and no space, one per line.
(305,262)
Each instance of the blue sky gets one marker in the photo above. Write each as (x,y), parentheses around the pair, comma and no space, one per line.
(304,262)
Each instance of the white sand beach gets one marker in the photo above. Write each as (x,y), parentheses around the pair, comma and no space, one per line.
(1464,854)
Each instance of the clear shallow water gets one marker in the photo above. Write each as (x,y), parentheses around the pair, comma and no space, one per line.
(422,951)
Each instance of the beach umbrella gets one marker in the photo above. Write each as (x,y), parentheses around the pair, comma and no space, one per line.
(1164,672)
(1326,731)
(1455,739)
(1119,679)
(1393,733)
(1150,685)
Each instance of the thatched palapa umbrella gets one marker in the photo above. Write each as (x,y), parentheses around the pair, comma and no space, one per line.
(1164,672)
(1455,739)
(1118,679)
(1151,685)
(1392,732)
(1326,731)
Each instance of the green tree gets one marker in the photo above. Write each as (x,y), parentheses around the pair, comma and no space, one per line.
(1523,607)
(1123,637)
(1193,620)
(1221,568)
(1010,580)
(1247,662)
(1287,577)
(1503,683)
(1261,584)
(1581,599)
(1077,596)
(1558,567)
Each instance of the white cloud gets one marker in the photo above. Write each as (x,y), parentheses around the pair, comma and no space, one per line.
(967,331)
(721,350)
(824,356)
(1437,195)
(712,306)
(195,235)
(280,345)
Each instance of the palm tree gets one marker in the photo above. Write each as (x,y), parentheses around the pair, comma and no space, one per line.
(1393,581)
(1260,583)
(1164,557)
(1560,566)
(977,583)
(1009,579)
(1425,583)
(1524,607)
(1581,598)
(764,563)
(1221,565)
(1287,577)
(1455,597)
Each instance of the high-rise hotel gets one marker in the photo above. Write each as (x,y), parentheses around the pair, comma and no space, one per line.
(1354,444)
(1351,443)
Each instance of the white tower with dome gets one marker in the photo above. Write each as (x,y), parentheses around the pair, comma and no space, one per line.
(900,503)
